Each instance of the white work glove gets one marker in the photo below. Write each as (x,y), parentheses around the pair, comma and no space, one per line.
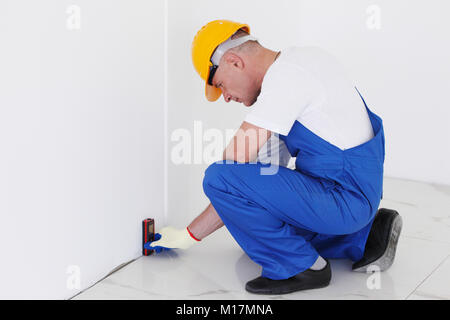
(171,238)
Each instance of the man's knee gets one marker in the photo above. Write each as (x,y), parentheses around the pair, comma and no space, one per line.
(216,176)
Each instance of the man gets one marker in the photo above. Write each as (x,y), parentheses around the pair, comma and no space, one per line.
(291,221)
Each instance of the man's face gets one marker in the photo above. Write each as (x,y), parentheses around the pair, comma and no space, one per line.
(236,81)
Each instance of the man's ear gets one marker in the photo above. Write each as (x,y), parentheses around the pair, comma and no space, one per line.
(234,60)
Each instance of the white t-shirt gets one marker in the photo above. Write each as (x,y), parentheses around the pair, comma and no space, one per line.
(309,85)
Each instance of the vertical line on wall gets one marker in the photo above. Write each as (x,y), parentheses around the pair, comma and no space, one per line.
(166,113)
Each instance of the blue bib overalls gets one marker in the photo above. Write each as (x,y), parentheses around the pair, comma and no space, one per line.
(325,206)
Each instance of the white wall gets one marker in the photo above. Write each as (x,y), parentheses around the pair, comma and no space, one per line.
(81,140)
(402,69)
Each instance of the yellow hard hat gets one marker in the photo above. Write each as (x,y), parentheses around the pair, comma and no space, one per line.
(205,42)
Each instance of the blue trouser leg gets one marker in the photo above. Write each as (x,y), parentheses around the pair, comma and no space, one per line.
(278,219)
(349,246)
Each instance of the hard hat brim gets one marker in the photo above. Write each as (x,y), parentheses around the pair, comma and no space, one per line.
(212,93)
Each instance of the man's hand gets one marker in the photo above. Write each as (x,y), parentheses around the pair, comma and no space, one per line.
(171,238)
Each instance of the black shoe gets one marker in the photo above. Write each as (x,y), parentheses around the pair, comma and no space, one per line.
(381,244)
(308,279)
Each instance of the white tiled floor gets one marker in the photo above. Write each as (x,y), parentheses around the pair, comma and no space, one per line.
(219,269)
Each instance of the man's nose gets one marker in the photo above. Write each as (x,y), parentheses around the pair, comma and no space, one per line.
(226,97)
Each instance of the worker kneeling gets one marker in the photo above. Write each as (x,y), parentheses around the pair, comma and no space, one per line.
(291,221)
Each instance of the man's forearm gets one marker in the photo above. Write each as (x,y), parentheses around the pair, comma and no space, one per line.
(244,147)
(206,223)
